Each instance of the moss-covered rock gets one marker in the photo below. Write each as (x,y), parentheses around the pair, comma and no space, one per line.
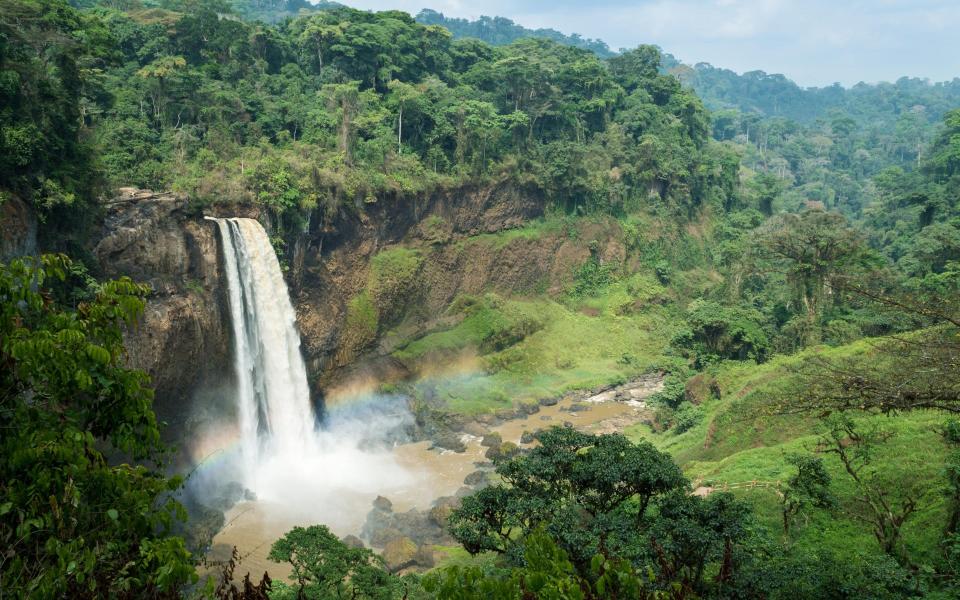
(399,553)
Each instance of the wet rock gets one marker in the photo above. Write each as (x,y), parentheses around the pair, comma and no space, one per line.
(475,429)
(464,491)
(182,340)
(449,441)
(567,424)
(528,408)
(503,451)
(441,510)
(383,525)
(352,541)
(399,553)
(381,537)
(477,479)
(549,401)
(491,440)
(577,407)
(526,438)
(18,228)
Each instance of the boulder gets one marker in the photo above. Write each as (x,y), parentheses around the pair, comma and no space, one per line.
(381,537)
(447,440)
(528,408)
(400,553)
(383,504)
(477,479)
(526,438)
(352,541)
(475,429)
(442,507)
(491,440)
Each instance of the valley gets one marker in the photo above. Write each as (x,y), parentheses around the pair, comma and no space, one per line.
(306,301)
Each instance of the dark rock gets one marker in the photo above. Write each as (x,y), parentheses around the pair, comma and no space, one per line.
(442,507)
(475,429)
(18,228)
(381,537)
(528,408)
(526,438)
(449,441)
(548,401)
(383,504)
(491,439)
(477,479)
(183,338)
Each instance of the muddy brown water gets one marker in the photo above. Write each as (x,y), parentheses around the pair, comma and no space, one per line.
(253,526)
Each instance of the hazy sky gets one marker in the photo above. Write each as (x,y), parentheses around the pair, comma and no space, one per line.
(814,42)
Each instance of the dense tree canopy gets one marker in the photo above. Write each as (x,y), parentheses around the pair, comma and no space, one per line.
(76,518)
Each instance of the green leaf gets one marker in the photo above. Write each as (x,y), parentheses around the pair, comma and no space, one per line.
(113,514)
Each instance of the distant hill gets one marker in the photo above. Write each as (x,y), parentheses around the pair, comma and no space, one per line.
(499,31)
(775,95)
(274,11)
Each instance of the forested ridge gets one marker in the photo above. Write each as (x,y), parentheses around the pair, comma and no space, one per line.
(788,260)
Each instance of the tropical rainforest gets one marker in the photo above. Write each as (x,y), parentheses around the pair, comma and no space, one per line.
(785,261)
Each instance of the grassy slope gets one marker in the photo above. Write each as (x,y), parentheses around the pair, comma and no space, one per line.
(622,329)
(554,343)
(735,444)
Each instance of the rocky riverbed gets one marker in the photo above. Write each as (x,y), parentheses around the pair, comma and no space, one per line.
(405,519)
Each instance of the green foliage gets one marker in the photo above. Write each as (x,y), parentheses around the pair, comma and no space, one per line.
(49,58)
(324,567)
(809,486)
(722,332)
(73,522)
(337,108)
(362,321)
(592,277)
(592,494)
(686,417)
(393,274)
(546,573)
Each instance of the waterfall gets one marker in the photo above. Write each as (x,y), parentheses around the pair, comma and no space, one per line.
(273,398)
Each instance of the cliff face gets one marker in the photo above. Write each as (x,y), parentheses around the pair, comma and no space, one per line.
(183,339)
(18,228)
(334,261)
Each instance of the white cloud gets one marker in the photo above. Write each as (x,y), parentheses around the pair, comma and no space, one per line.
(814,42)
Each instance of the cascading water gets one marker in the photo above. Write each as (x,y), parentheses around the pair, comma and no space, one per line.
(298,472)
(273,398)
